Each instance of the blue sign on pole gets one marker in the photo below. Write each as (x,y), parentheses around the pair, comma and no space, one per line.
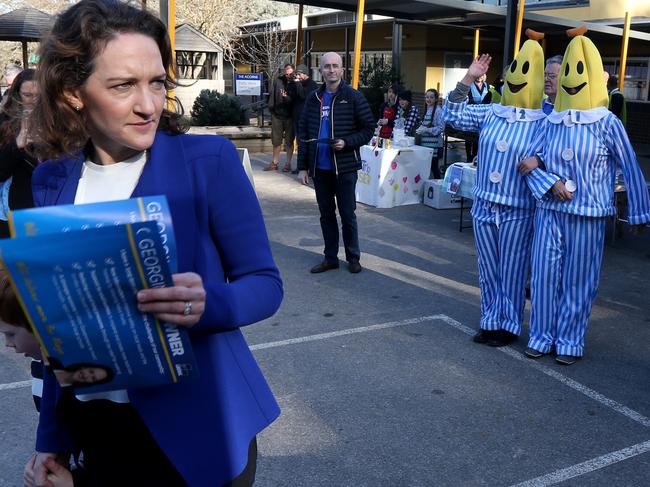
(248,84)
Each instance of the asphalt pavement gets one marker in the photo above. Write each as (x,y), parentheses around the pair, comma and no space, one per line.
(381,385)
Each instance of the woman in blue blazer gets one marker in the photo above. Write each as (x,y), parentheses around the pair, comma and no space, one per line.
(104,72)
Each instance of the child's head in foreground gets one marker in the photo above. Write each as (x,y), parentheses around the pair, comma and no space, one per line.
(13,322)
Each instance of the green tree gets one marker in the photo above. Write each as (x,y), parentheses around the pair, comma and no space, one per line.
(375,78)
(214,108)
(221,20)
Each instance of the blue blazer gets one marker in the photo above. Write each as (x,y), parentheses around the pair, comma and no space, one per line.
(205,426)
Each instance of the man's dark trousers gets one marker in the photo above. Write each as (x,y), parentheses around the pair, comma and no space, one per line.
(330,193)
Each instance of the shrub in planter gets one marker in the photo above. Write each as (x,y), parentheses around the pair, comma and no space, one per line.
(214,108)
(375,78)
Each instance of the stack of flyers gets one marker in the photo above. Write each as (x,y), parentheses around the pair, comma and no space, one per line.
(456,176)
(76,270)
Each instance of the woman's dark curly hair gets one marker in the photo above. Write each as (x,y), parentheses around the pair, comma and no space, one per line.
(67,56)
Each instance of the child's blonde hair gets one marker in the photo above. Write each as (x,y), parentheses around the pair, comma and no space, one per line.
(10,310)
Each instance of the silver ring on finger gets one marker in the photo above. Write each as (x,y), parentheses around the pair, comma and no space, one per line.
(188,308)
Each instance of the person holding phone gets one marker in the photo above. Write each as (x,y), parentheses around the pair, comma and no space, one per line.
(16,162)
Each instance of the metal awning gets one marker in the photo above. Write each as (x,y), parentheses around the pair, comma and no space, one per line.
(466,14)
(412,9)
(24,25)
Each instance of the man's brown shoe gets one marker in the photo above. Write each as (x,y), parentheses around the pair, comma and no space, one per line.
(324,266)
(354,267)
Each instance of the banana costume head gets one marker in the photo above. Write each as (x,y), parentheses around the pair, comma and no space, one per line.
(581,85)
(524,83)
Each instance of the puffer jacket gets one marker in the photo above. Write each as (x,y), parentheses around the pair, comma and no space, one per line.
(351,120)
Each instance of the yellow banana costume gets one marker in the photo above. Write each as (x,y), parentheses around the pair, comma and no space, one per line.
(581,85)
(524,83)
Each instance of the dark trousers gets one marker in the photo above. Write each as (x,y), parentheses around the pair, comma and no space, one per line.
(118,449)
(435,162)
(247,477)
(471,149)
(330,192)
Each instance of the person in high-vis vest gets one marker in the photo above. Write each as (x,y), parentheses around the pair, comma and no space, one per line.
(617,104)
(581,144)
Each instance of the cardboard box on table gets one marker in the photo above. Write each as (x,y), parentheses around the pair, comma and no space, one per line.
(436,195)
(392,177)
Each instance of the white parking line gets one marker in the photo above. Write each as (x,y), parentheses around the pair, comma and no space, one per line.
(15,385)
(545,480)
(577,386)
(587,467)
(349,331)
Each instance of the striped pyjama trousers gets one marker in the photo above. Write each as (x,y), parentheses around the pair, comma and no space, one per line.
(567,256)
(503,236)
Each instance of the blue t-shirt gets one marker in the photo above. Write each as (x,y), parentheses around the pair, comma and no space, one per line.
(324,157)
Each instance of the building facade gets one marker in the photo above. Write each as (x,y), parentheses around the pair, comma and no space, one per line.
(435,53)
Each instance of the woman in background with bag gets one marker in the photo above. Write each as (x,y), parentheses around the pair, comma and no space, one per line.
(16,164)
(429,134)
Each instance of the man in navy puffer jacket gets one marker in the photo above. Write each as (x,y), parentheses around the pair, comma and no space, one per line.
(336,121)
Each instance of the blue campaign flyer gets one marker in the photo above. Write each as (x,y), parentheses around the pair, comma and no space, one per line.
(80,297)
(65,218)
(455,179)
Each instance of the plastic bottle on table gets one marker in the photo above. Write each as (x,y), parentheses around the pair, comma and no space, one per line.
(398,131)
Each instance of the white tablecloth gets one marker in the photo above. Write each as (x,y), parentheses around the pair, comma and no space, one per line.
(468,179)
(393,177)
(246,162)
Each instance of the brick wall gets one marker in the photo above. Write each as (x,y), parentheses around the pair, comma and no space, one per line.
(638,122)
